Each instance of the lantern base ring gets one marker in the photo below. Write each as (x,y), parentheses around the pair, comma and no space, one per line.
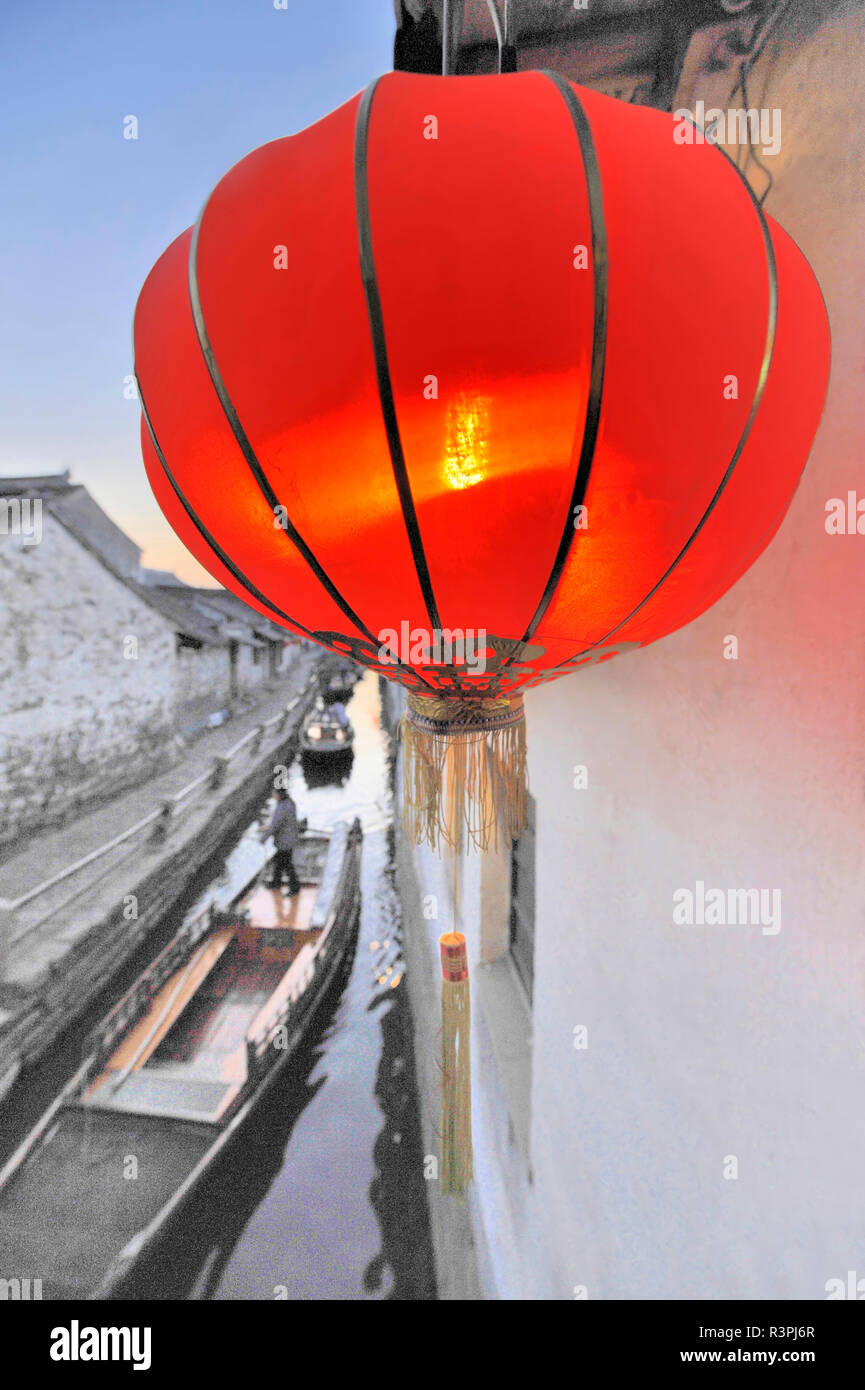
(449,715)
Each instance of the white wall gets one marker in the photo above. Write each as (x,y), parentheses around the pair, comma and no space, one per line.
(707,1042)
(86,680)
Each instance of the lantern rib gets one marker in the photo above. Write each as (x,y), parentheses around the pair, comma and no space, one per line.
(382,366)
(223,557)
(762,378)
(290,531)
(600,264)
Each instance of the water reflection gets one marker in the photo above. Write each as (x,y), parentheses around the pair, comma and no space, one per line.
(327,772)
(364,790)
(324,795)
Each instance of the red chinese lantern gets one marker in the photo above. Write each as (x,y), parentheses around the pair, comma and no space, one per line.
(493,357)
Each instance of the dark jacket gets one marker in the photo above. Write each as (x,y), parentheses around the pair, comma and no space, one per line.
(284,826)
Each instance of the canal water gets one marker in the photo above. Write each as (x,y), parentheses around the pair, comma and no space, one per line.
(325,1198)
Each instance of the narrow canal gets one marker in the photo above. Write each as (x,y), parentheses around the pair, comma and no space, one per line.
(325,1199)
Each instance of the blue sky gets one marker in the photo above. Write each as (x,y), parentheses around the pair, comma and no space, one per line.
(84,213)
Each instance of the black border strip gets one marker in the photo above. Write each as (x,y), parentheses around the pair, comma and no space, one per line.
(379,345)
(762,378)
(289,530)
(214,545)
(600,266)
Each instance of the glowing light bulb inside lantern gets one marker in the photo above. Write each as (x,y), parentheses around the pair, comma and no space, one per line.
(465,461)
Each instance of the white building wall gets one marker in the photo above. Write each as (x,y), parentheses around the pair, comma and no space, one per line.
(202,675)
(251,674)
(708,1044)
(87,680)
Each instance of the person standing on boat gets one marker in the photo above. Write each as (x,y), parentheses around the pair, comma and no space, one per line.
(284,826)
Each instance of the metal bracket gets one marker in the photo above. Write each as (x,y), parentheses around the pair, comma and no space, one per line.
(452,24)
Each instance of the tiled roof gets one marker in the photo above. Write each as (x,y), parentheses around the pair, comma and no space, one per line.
(211,616)
(164,577)
(180,607)
(82,517)
(234,608)
(22,484)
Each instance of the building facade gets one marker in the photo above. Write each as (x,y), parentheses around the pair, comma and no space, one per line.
(665,1108)
(103,678)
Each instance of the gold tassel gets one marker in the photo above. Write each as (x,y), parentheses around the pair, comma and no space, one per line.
(464,775)
(464,764)
(455,1170)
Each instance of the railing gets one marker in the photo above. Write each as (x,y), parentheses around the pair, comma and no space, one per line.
(260,1043)
(158,821)
(130,1007)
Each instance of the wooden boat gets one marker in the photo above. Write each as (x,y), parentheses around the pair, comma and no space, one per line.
(325,735)
(174,1074)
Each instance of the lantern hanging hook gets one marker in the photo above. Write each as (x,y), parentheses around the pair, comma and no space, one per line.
(452,18)
(502,26)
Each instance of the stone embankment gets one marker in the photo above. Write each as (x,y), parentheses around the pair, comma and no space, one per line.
(64,936)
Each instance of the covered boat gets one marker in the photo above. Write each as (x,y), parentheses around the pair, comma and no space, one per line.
(327,732)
